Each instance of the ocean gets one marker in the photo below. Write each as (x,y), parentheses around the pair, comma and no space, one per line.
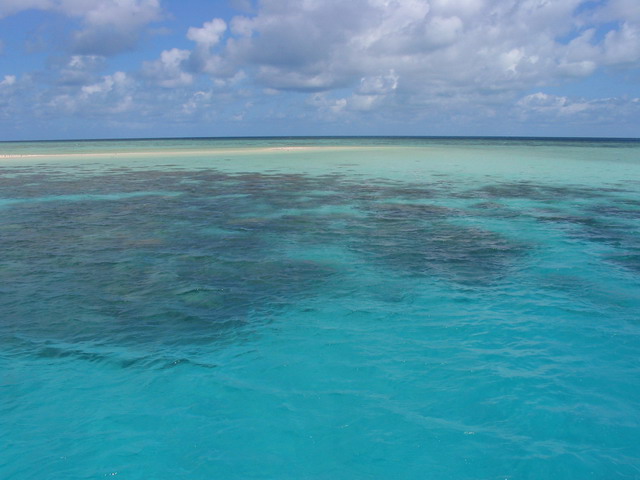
(320,308)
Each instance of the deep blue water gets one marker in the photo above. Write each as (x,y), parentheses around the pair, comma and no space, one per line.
(401,308)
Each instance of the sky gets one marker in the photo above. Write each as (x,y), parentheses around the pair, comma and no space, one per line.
(73,69)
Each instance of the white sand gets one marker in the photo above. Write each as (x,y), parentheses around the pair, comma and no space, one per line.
(213,151)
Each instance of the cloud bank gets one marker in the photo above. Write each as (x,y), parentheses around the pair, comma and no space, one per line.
(462,66)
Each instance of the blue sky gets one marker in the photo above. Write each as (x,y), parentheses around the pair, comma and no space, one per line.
(157,68)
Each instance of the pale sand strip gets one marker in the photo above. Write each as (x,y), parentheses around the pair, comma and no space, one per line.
(213,151)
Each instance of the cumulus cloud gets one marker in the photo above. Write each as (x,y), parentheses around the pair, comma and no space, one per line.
(552,104)
(179,67)
(168,70)
(78,69)
(622,46)
(10,7)
(111,26)
(616,10)
(378,85)
(433,47)
(210,33)
(108,26)
(328,107)
(489,46)
(200,99)
(293,44)
(8,81)
(109,83)
(551,109)
(415,60)
(204,57)
(112,94)
(9,86)
(371,93)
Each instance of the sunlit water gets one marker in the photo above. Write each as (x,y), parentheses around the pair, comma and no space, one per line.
(391,308)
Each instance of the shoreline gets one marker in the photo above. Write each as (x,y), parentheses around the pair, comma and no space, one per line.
(221,151)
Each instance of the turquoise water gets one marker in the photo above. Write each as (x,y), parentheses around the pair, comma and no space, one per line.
(383,308)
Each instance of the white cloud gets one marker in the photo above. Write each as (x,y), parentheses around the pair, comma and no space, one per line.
(178,67)
(111,95)
(124,13)
(8,99)
(379,85)
(544,103)
(108,26)
(581,55)
(8,81)
(242,5)
(198,100)
(441,52)
(118,80)
(414,57)
(622,46)
(329,107)
(210,33)
(582,68)
(413,60)
(311,45)
(463,8)
(78,69)
(286,79)
(442,31)
(616,10)
(242,26)
(111,26)
(168,71)
(362,103)
(10,7)
(292,44)
(553,108)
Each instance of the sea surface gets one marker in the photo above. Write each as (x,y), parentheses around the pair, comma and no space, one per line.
(320,308)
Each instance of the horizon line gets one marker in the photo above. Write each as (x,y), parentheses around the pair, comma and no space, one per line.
(298,137)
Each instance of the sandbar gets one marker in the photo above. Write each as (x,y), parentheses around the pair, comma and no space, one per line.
(161,152)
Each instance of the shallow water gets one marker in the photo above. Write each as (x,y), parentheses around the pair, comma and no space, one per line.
(392,308)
